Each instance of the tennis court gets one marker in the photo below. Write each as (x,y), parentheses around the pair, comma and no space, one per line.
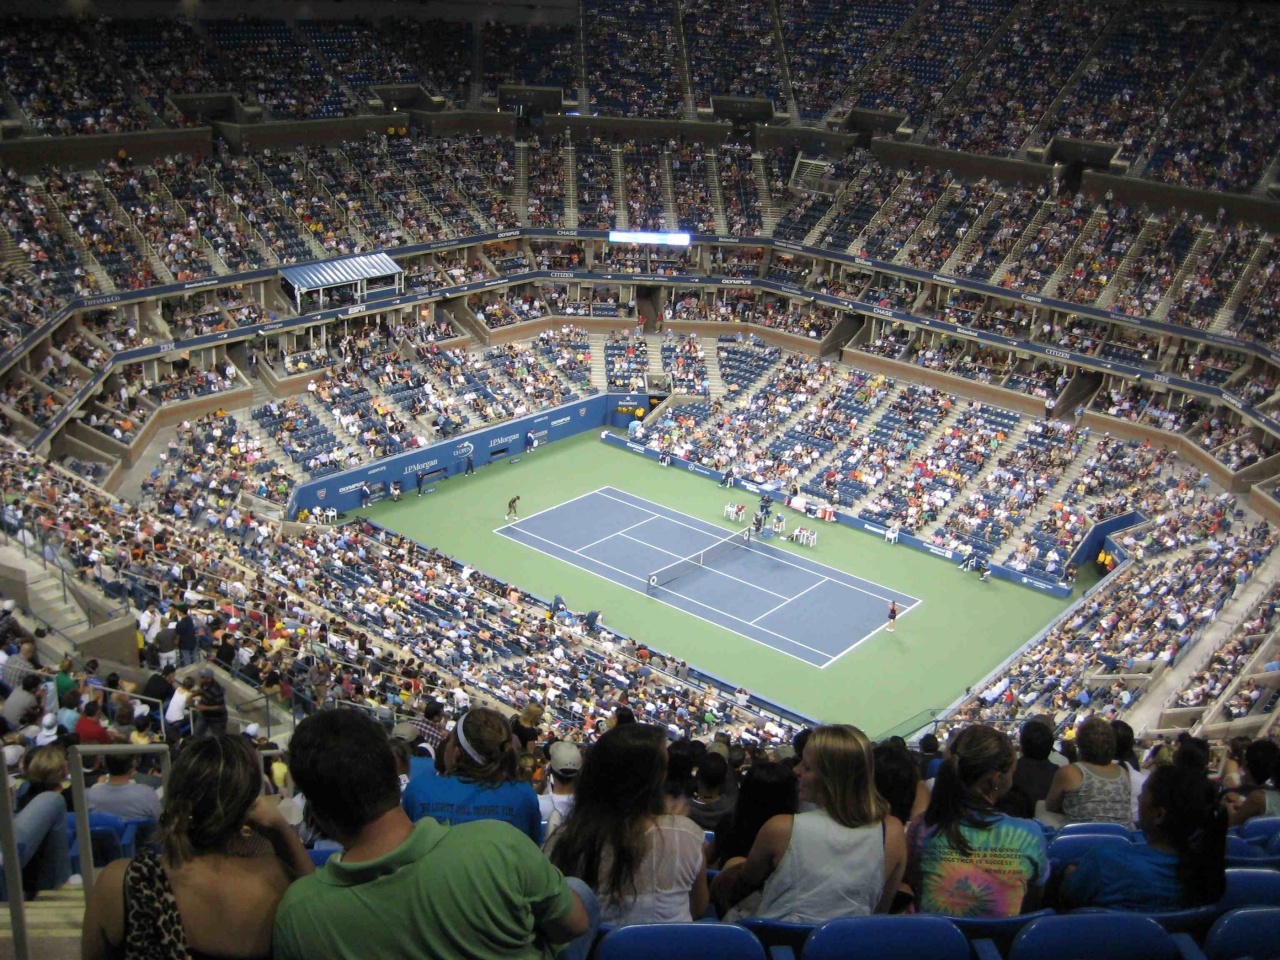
(769,594)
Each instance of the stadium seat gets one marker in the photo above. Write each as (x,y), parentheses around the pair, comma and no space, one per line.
(1252,932)
(1094,829)
(887,938)
(781,939)
(1099,936)
(321,857)
(1064,850)
(1260,828)
(1251,888)
(998,930)
(680,941)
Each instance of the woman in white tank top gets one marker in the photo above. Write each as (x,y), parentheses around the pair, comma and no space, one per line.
(843,859)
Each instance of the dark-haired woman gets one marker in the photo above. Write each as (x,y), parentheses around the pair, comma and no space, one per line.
(1254,797)
(227,857)
(767,790)
(481,780)
(1183,862)
(645,865)
(967,859)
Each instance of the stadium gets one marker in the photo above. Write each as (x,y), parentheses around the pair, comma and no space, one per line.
(751,370)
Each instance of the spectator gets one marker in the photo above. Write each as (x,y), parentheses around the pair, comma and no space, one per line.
(565,761)
(384,897)
(25,704)
(967,858)
(768,790)
(226,858)
(1182,864)
(159,686)
(709,803)
(40,825)
(844,858)
(90,729)
(930,757)
(644,864)
(120,794)
(1096,788)
(1034,773)
(210,704)
(481,779)
(898,781)
(1261,764)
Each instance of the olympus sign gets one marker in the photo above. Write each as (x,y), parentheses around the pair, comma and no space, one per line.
(504,234)
(735,283)
(350,486)
(561,422)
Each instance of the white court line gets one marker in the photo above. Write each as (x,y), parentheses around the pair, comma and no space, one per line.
(858,643)
(721,573)
(582,496)
(771,556)
(618,533)
(511,535)
(789,599)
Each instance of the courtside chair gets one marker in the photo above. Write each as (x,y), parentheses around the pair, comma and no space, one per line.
(887,938)
(680,941)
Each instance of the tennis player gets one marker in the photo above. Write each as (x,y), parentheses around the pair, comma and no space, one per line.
(512,507)
(893,613)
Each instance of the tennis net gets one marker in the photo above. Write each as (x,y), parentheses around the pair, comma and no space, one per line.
(700,559)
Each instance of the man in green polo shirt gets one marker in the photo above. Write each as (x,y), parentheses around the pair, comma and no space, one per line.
(475,890)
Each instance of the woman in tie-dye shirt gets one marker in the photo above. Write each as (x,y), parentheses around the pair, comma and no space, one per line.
(966,858)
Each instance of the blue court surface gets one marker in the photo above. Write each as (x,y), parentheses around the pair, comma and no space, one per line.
(765,593)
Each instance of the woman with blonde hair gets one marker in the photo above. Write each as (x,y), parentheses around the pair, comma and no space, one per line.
(227,856)
(481,778)
(844,858)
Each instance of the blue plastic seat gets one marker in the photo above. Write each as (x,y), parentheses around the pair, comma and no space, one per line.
(998,930)
(1064,850)
(680,941)
(1094,829)
(1099,936)
(781,939)
(1252,932)
(1251,888)
(321,856)
(887,938)
(1265,828)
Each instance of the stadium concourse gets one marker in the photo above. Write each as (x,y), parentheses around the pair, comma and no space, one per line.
(983,294)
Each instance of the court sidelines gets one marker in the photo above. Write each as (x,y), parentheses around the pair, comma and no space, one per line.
(799,607)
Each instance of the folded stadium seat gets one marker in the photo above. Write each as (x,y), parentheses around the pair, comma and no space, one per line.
(783,941)
(1094,829)
(680,941)
(1250,932)
(1264,828)
(887,938)
(1065,850)
(1098,936)
(998,930)
(1194,921)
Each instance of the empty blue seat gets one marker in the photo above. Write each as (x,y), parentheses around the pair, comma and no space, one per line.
(1098,936)
(998,930)
(1064,850)
(1094,829)
(779,937)
(1251,888)
(1252,932)
(680,941)
(887,938)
